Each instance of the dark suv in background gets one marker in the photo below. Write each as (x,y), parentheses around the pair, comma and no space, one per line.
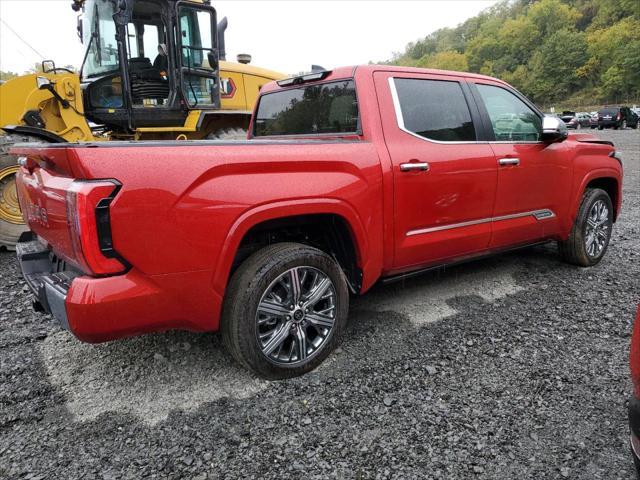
(617,117)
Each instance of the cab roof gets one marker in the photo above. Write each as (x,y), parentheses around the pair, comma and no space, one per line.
(350,71)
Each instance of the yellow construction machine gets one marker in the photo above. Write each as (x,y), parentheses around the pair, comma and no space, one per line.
(152,70)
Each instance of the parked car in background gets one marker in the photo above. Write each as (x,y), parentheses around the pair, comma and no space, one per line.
(576,120)
(617,117)
(634,401)
(593,120)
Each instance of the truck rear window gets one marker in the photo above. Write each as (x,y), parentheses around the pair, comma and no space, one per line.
(326,108)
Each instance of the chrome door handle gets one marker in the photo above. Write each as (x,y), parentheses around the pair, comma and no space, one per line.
(408,167)
(509,161)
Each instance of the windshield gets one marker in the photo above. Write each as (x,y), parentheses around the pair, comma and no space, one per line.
(99,35)
(328,108)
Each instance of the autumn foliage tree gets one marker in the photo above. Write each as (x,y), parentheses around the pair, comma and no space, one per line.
(550,49)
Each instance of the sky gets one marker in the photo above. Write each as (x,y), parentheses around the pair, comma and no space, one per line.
(286,36)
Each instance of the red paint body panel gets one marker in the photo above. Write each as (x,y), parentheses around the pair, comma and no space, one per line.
(184,207)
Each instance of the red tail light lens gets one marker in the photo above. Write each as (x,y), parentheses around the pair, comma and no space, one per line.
(619,116)
(90,226)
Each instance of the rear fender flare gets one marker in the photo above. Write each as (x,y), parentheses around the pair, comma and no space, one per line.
(284,209)
(40,133)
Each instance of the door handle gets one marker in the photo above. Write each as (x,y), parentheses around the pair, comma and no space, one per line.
(509,161)
(411,166)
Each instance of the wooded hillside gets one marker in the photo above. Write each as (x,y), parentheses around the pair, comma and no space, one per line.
(573,51)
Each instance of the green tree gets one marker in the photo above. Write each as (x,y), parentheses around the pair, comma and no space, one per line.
(552,15)
(449,60)
(548,49)
(4,76)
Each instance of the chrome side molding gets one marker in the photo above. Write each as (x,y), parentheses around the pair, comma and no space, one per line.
(543,214)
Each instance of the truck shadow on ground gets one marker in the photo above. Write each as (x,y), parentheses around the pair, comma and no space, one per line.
(153,375)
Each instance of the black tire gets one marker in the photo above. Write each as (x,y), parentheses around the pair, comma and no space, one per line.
(251,281)
(226,134)
(600,127)
(10,228)
(574,249)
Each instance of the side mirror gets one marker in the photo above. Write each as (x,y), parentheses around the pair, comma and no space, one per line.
(214,62)
(79,29)
(43,83)
(553,130)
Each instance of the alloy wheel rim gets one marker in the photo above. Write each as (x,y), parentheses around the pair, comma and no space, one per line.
(9,205)
(296,316)
(598,229)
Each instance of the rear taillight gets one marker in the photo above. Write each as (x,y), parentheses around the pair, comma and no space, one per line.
(90,226)
(619,116)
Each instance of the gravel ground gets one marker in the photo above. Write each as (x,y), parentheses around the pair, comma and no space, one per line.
(512,367)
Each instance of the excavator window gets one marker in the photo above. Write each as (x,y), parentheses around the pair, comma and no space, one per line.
(100,37)
(149,75)
(196,32)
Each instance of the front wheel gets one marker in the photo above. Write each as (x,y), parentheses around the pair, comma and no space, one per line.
(285,310)
(591,232)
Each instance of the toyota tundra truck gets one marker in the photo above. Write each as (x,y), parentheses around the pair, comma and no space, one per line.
(347,177)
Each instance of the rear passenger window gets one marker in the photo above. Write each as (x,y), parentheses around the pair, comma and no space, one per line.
(434,109)
(511,118)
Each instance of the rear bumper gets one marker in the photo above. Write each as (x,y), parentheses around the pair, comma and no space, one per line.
(49,283)
(108,308)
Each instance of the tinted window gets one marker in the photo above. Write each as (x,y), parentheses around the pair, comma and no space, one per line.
(435,109)
(511,118)
(608,111)
(325,108)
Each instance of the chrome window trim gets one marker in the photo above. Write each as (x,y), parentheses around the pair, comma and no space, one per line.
(400,118)
(544,214)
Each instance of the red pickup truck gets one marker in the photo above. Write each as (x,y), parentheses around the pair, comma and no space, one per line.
(348,177)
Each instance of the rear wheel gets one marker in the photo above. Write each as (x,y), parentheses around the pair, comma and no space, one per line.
(11,221)
(591,232)
(623,125)
(285,310)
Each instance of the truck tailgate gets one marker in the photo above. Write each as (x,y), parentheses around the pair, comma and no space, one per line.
(43,199)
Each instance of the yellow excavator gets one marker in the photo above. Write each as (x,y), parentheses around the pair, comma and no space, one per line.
(152,70)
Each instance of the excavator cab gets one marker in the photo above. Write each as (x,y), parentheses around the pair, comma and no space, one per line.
(148,62)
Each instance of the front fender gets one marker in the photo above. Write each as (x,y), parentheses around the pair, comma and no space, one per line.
(605,172)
